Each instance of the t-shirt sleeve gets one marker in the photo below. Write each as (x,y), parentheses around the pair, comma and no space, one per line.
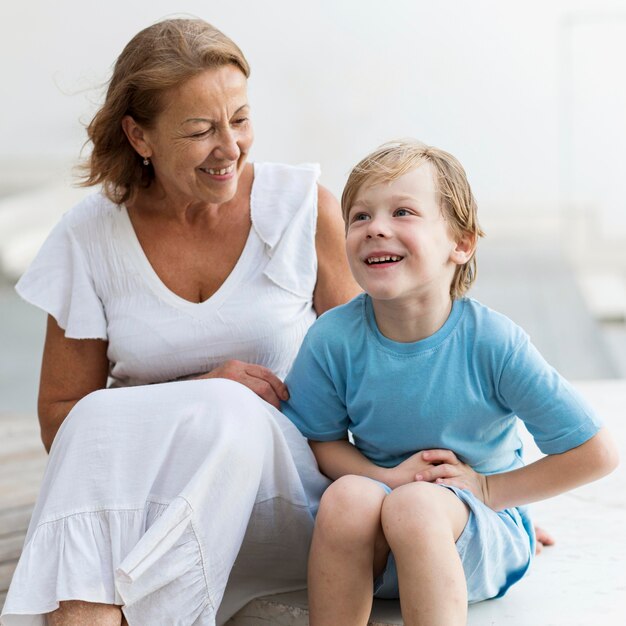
(59,282)
(316,405)
(555,414)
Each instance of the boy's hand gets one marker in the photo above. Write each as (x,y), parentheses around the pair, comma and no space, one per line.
(417,465)
(457,474)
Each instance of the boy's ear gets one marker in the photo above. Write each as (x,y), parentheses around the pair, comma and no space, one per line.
(136,136)
(464,248)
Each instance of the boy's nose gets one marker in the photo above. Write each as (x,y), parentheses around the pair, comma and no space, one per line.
(377,228)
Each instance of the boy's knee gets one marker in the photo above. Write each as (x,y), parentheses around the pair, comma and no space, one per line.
(411,511)
(351,493)
(351,508)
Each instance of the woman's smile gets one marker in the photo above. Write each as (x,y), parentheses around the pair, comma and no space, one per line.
(223,172)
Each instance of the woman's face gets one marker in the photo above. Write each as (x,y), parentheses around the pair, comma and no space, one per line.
(199,143)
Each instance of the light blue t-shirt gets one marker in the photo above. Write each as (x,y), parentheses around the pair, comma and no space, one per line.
(459,389)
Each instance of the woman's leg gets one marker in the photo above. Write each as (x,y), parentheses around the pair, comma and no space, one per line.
(347,551)
(160,483)
(79,613)
(422,522)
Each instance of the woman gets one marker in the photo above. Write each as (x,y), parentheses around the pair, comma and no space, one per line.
(192,263)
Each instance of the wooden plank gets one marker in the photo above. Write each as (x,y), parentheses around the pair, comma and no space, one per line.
(15,519)
(20,443)
(11,546)
(22,465)
(20,459)
(28,468)
(20,496)
(6,573)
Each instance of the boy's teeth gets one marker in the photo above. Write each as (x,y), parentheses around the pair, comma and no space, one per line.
(383,259)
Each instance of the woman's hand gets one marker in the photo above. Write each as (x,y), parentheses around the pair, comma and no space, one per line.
(259,379)
(417,465)
(457,474)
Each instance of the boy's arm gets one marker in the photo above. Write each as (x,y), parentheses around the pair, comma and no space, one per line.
(545,478)
(338,458)
(553,474)
(562,424)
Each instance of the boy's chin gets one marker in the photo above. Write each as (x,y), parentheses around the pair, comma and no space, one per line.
(382,294)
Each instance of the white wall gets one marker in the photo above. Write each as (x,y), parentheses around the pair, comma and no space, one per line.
(331,79)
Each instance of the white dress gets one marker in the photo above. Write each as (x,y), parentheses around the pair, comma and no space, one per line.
(152,487)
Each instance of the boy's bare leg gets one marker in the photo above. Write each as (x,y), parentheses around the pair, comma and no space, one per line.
(421,522)
(79,613)
(347,551)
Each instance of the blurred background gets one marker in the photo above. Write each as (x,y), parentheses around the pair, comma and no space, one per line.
(531,97)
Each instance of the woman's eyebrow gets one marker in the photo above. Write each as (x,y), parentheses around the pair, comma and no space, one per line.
(212,121)
(192,120)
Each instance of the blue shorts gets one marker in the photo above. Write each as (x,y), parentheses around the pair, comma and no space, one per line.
(496,549)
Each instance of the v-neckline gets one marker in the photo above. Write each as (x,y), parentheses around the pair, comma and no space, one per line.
(127,232)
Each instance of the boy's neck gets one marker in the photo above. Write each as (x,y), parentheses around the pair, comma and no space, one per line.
(407,321)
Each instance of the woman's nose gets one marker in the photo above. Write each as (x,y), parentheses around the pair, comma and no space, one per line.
(228,147)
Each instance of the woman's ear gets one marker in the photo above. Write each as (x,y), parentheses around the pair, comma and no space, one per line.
(465,246)
(136,136)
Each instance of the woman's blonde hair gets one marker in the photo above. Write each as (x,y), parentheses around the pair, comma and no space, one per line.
(155,60)
(459,208)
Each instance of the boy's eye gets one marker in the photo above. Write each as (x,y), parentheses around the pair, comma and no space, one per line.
(359,217)
(402,212)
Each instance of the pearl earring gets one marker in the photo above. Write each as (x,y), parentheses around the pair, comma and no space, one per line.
(146,161)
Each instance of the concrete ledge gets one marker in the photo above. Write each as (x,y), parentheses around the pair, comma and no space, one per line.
(290,609)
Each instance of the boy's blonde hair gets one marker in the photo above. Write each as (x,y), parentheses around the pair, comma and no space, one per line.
(458,206)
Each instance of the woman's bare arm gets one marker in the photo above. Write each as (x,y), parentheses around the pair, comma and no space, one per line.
(70,369)
(335,284)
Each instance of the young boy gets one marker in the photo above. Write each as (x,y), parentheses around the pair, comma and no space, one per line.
(428,504)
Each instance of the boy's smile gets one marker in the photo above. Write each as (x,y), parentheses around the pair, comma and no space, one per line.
(398,242)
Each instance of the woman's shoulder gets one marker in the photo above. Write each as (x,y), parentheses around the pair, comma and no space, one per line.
(92,219)
(283,206)
(283,190)
(271,174)
(94,207)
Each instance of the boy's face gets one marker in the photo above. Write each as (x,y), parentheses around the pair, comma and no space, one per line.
(399,245)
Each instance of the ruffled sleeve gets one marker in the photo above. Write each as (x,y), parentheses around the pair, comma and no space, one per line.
(284,214)
(60,282)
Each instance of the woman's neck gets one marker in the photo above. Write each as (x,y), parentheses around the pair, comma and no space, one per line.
(154,203)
